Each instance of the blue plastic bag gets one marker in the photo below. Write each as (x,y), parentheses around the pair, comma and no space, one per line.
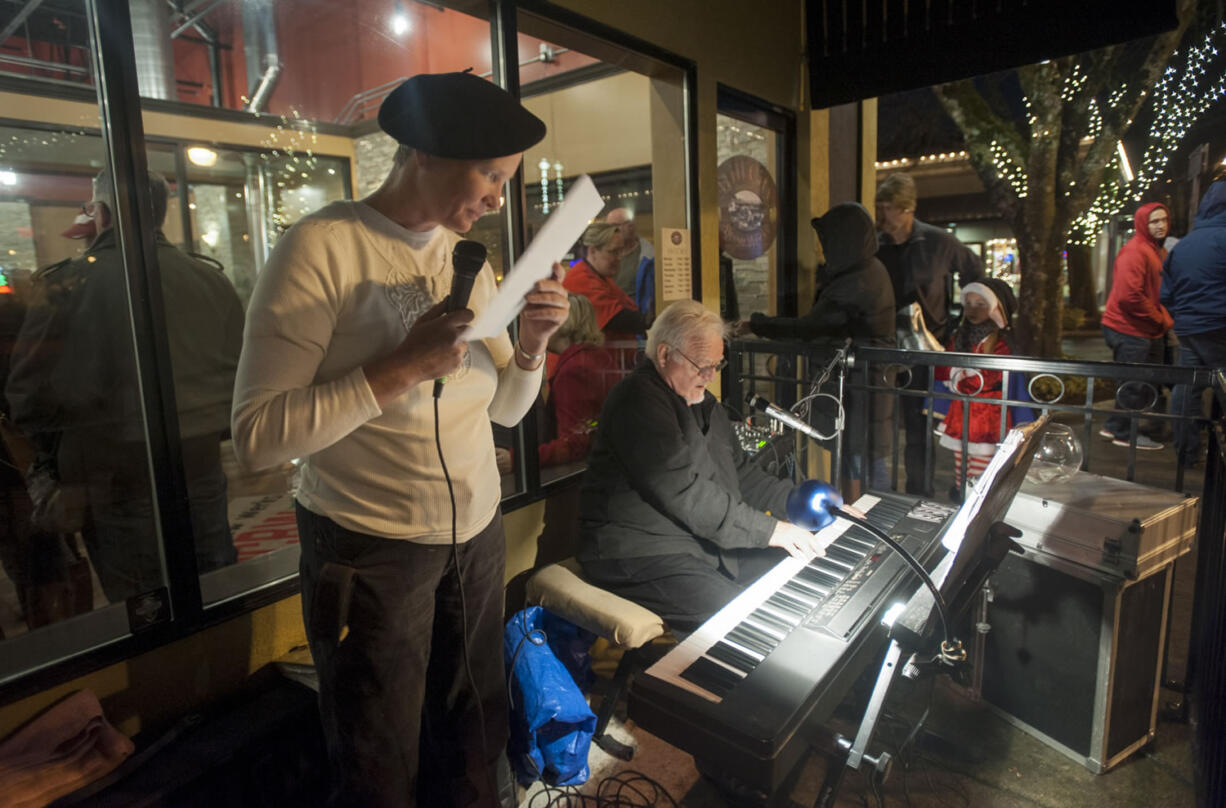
(551,724)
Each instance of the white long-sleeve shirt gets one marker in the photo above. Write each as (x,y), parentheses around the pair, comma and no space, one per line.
(342,288)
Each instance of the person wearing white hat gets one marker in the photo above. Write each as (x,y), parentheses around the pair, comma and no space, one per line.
(985,329)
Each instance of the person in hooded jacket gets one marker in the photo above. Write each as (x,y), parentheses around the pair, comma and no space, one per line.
(1134,321)
(856,300)
(1194,291)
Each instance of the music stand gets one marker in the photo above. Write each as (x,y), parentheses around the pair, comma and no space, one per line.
(976,539)
(977,542)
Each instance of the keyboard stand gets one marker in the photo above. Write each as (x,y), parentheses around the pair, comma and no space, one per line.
(852,754)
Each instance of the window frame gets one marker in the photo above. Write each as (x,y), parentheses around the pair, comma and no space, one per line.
(122,130)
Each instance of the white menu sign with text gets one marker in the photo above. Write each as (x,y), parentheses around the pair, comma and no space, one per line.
(675,265)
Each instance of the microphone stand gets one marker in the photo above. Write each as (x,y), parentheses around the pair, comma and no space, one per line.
(840,360)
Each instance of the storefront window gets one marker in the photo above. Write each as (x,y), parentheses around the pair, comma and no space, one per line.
(312,74)
(619,119)
(255,115)
(81,559)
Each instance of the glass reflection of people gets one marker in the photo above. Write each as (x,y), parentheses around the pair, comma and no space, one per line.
(635,249)
(28,555)
(73,389)
(348,329)
(855,299)
(581,372)
(673,515)
(595,277)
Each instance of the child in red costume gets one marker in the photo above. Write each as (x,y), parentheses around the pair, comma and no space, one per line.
(986,328)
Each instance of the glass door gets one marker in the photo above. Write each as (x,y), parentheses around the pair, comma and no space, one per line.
(757,207)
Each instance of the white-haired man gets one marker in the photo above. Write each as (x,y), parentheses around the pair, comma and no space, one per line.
(673,515)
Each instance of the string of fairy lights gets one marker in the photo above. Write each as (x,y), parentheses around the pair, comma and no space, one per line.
(1187,89)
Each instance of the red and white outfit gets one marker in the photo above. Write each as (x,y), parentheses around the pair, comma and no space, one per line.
(984,424)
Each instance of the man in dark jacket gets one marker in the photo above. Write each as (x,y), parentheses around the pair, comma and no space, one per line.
(672,513)
(1194,292)
(855,299)
(922,261)
(73,390)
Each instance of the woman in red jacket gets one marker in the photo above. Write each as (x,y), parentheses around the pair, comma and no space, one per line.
(1134,320)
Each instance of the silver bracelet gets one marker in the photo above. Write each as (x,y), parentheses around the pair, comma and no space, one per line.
(535,359)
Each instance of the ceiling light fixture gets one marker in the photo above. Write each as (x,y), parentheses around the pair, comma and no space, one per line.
(400,20)
(202,156)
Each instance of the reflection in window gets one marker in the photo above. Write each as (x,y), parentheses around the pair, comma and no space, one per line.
(614,125)
(748,217)
(240,200)
(78,534)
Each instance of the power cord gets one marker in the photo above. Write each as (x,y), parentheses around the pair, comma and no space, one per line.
(626,789)
(455,561)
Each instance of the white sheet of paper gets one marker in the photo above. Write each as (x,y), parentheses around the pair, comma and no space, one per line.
(560,230)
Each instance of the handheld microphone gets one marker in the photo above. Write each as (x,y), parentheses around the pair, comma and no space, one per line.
(780,414)
(467,258)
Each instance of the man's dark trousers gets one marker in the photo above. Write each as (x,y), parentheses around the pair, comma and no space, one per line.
(919,436)
(1195,350)
(1132,396)
(684,590)
(386,629)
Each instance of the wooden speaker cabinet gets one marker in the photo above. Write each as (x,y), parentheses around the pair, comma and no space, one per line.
(1074,655)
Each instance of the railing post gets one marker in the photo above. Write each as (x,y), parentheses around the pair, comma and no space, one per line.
(1206,669)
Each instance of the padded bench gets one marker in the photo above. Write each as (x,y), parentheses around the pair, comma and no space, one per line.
(562,589)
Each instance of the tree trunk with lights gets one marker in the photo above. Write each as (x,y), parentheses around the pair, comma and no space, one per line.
(1040,173)
(1081,292)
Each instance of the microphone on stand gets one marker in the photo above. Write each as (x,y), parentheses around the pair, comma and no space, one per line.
(467,258)
(780,414)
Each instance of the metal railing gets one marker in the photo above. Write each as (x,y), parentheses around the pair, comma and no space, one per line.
(785,372)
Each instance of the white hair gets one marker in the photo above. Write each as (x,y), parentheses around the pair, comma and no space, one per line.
(682,324)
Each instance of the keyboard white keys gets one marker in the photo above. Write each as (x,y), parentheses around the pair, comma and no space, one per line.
(738,612)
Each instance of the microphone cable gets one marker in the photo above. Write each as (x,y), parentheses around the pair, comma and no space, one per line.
(465,650)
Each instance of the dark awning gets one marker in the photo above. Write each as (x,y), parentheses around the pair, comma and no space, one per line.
(866,48)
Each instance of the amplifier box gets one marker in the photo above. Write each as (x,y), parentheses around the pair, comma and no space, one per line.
(1115,526)
(1074,655)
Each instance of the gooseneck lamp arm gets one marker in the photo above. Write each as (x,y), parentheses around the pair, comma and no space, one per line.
(813,505)
(948,645)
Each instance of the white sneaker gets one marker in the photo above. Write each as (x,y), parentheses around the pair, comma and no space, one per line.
(1143,443)
(1106,433)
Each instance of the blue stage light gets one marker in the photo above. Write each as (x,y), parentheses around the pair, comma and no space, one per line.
(810,504)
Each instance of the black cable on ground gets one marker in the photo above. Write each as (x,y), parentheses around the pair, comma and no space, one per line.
(626,789)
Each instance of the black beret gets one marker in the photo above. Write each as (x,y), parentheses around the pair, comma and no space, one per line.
(459,115)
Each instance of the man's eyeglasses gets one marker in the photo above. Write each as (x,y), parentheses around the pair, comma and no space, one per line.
(702,369)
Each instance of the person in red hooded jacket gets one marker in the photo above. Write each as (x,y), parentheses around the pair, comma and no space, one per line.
(1134,321)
